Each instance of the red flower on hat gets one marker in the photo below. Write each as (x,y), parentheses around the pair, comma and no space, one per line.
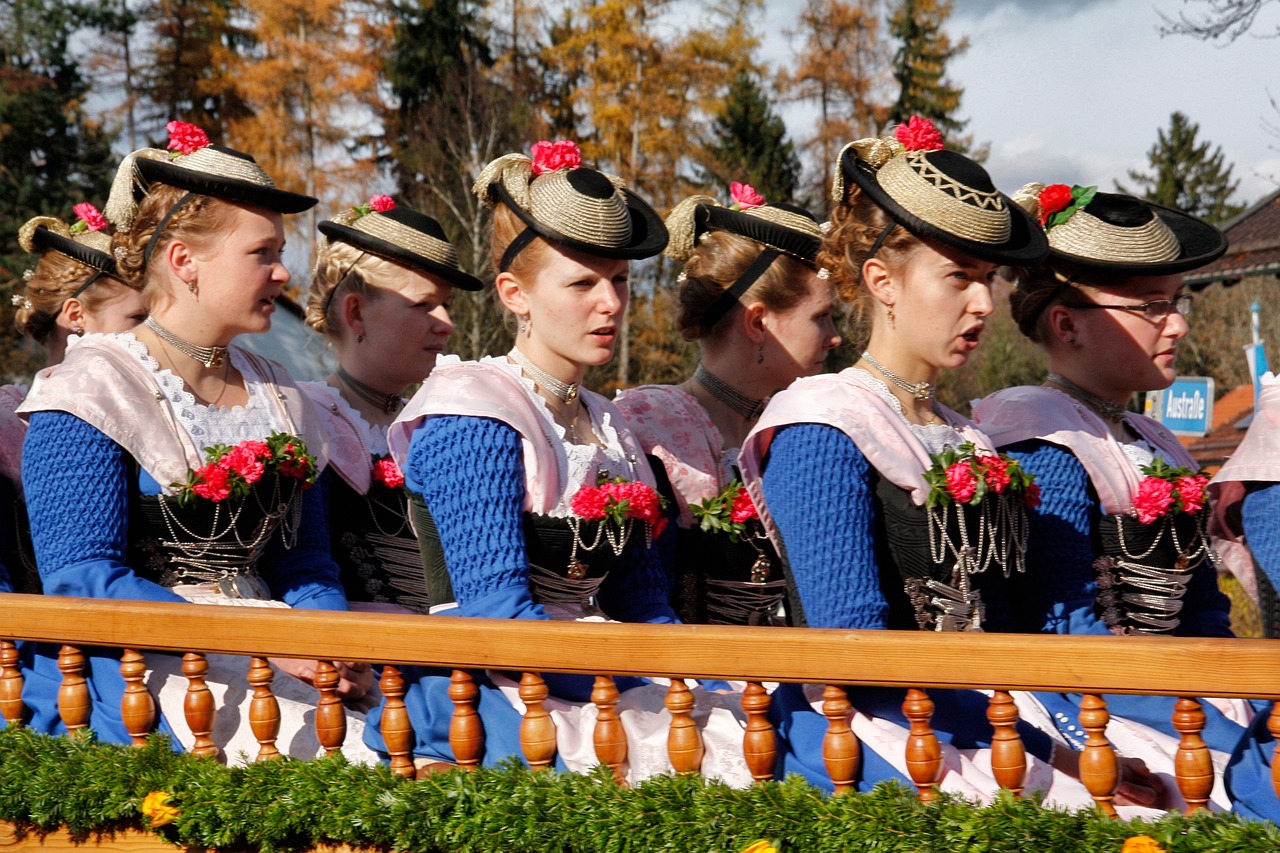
(90,216)
(381,203)
(744,196)
(185,138)
(919,134)
(1053,198)
(554,156)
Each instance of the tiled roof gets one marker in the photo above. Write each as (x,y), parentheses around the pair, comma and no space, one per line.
(1253,246)
(1215,448)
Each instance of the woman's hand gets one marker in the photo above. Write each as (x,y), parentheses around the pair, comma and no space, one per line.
(1138,786)
(355,679)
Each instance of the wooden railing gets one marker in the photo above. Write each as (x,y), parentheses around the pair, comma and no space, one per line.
(917,661)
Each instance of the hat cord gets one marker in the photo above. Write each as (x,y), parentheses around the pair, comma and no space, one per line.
(155,235)
(729,297)
(515,247)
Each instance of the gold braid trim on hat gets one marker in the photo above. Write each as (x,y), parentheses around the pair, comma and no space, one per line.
(514,171)
(27,233)
(121,208)
(682,225)
(1085,235)
(408,238)
(1028,198)
(785,219)
(931,195)
(604,222)
(873,150)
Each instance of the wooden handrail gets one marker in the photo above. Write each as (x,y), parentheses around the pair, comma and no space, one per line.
(1144,665)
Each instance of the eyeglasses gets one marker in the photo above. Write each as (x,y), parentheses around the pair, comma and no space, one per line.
(1155,310)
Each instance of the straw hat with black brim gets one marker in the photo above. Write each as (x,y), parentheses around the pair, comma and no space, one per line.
(1117,233)
(943,196)
(91,248)
(407,237)
(580,208)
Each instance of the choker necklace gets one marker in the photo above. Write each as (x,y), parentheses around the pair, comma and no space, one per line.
(919,390)
(384,402)
(727,394)
(208,356)
(1105,409)
(565,392)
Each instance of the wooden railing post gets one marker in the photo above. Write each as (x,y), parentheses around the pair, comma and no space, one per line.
(1192,766)
(73,694)
(840,748)
(609,737)
(924,753)
(537,729)
(331,717)
(466,730)
(397,731)
(1008,756)
(1273,726)
(759,742)
(684,741)
(137,706)
(264,709)
(197,705)
(1099,769)
(11,707)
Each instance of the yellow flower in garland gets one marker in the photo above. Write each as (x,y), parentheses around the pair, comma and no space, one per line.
(762,846)
(156,807)
(1142,844)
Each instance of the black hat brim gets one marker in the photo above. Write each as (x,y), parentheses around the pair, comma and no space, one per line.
(648,232)
(1199,242)
(799,245)
(399,255)
(1027,244)
(92,258)
(232,189)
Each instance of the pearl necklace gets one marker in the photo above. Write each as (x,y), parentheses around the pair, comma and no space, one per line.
(565,392)
(727,394)
(919,390)
(208,356)
(1105,409)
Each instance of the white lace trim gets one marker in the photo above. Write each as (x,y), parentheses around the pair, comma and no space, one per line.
(375,438)
(210,424)
(585,461)
(1139,452)
(935,437)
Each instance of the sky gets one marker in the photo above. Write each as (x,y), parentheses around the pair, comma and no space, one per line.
(1074,91)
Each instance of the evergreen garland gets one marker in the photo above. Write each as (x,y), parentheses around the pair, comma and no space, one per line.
(93,789)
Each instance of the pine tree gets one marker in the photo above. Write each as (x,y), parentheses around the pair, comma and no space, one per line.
(1186,173)
(749,144)
(920,65)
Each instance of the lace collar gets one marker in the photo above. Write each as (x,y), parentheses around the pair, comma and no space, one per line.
(375,438)
(935,437)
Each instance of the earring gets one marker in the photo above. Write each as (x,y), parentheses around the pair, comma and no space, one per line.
(760,354)
(359,339)
(891,317)
(1071,340)
(191,285)
(525,323)
(77,330)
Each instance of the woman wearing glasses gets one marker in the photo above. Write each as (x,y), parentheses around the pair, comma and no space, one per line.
(1118,544)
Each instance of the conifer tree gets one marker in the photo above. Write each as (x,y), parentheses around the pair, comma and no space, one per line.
(1186,173)
(920,65)
(749,144)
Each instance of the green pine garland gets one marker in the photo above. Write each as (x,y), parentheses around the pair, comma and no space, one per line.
(48,783)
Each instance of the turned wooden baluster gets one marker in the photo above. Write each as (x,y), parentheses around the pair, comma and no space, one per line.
(73,694)
(11,707)
(684,741)
(1192,766)
(840,748)
(1099,768)
(197,705)
(264,709)
(924,753)
(331,717)
(397,731)
(609,737)
(1008,756)
(537,729)
(466,730)
(137,707)
(760,742)
(1273,726)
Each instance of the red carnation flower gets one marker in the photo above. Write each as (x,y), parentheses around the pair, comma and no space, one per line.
(744,196)
(245,462)
(743,509)
(554,156)
(1053,198)
(381,203)
(1031,498)
(387,472)
(90,215)
(1155,497)
(185,138)
(590,503)
(919,134)
(962,482)
(1191,490)
(212,482)
(996,472)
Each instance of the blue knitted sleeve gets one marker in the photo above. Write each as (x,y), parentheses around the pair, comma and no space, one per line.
(76,483)
(817,485)
(300,569)
(8,535)
(1259,513)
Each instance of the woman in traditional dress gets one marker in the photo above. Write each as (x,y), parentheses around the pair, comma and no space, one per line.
(750,294)
(891,510)
(1118,544)
(166,464)
(72,290)
(380,293)
(532,498)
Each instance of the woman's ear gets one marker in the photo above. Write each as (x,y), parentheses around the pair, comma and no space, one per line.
(1063,325)
(351,309)
(879,281)
(72,315)
(511,293)
(752,320)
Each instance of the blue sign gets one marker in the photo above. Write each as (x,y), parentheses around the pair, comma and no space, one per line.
(1186,406)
